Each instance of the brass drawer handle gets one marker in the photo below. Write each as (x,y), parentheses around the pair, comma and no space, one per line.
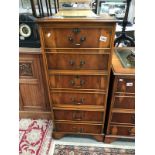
(77,116)
(73,83)
(82,62)
(82,82)
(74,101)
(78,130)
(71,62)
(82,39)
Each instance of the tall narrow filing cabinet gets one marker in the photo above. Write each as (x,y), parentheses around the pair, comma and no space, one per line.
(77,59)
(121,120)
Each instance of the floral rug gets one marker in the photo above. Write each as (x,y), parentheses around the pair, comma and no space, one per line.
(90,150)
(34,137)
(72,148)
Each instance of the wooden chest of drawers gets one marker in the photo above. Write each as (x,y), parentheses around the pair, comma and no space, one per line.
(77,60)
(121,120)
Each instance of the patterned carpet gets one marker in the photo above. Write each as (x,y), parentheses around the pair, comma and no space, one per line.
(90,150)
(34,137)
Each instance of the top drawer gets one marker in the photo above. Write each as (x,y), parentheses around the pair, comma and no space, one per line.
(125,85)
(77,37)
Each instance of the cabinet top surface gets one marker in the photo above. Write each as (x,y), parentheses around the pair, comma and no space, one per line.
(25,50)
(77,16)
(118,68)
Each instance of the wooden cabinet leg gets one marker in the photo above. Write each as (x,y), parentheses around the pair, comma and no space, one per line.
(99,138)
(109,139)
(57,135)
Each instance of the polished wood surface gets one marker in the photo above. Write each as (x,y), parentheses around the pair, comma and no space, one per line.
(77,59)
(120,118)
(122,130)
(33,91)
(74,98)
(25,50)
(123,118)
(78,81)
(77,37)
(82,62)
(76,115)
(78,128)
(125,84)
(125,102)
(118,68)
(35,114)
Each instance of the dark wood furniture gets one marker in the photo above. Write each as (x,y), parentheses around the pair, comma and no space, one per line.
(121,118)
(77,60)
(34,101)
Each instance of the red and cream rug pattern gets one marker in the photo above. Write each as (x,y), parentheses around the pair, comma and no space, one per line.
(34,137)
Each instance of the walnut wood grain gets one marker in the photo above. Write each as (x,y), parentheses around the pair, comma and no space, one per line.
(78,128)
(126,84)
(77,60)
(61,61)
(74,115)
(75,98)
(82,39)
(122,130)
(121,115)
(124,102)
(78,81)
(123,118)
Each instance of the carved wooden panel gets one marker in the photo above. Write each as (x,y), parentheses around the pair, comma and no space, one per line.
(25,69)
(33,93)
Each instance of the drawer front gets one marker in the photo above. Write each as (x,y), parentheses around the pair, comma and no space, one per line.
(123,118)
(124,102)
(122,131)
(78,128)
(79,99)
(80,61)
(125,85)
(76,115)
(77,37)
(79,81)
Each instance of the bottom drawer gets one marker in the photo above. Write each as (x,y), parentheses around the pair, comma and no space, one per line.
(76,115)
(78,128)
(122,130)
